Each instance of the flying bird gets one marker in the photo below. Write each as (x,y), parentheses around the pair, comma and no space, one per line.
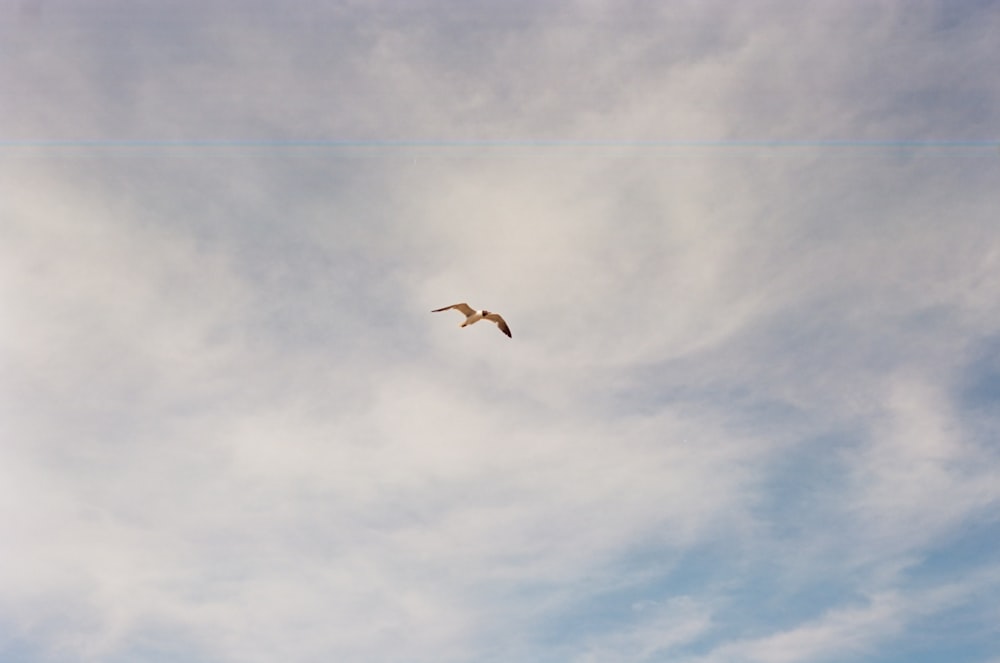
(472,316)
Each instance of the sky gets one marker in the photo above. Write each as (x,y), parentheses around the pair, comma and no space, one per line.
(748,251)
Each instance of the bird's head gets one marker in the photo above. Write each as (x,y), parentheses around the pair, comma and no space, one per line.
(485,313)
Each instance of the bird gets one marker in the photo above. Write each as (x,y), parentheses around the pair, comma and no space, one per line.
(472,316)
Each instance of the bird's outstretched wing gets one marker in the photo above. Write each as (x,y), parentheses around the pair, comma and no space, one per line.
(463,307)
(501,323)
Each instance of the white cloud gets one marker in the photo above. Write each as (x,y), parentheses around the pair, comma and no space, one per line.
(920,478)
(231,422)
(658,629)
(854,632)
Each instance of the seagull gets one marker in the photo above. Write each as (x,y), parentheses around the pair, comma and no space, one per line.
(473,316)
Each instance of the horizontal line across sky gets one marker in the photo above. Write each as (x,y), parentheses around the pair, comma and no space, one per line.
(333,143)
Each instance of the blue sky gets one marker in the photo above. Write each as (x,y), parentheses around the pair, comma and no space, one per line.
(748,251)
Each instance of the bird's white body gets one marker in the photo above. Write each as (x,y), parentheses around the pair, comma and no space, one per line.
(472,316)
(472,319)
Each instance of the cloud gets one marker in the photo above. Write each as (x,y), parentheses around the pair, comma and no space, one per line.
(741,417)
(658,629)
(855,632)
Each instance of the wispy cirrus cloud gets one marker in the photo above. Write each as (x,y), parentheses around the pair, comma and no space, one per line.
(744,415)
